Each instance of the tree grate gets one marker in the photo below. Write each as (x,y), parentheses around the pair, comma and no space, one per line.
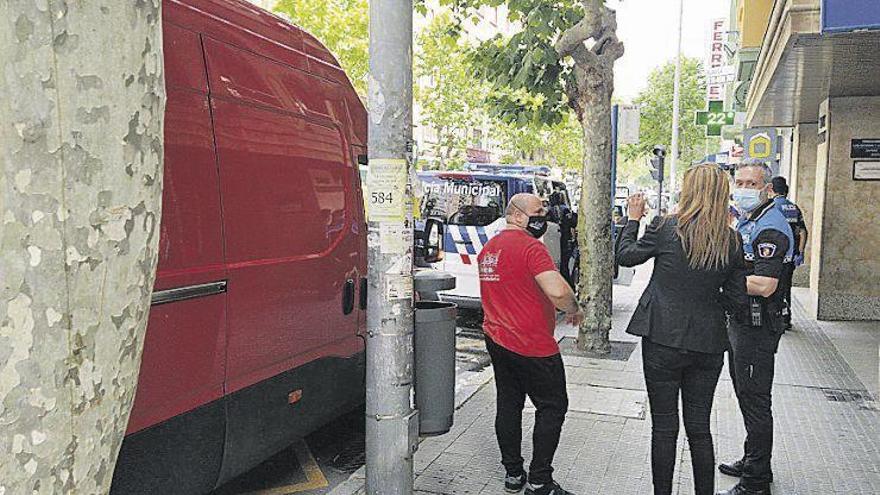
(351,459)
(860,397)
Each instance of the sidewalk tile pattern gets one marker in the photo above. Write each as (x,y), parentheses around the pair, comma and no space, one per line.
(822,446)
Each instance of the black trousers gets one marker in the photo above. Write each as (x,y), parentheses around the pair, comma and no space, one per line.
(752,363)
(565,255)
(785,282)
(543,380)
(669,371)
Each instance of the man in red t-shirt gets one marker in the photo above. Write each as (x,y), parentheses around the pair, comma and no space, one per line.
(521,290)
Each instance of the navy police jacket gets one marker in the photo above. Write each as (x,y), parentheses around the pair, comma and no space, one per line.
(794,217)
(767,242)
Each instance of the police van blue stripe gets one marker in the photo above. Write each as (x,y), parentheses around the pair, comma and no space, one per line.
(449,245)
(481,233)
(467,239)
(475,239)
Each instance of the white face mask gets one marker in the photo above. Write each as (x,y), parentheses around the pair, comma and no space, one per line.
(747,199)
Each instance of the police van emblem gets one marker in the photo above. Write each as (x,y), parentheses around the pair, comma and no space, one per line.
(766,250)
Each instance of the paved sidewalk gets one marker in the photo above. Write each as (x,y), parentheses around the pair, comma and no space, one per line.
(827,421)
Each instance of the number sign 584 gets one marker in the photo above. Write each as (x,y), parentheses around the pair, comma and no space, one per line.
(381,198)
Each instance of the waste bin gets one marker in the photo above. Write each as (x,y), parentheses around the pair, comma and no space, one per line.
(429,282)
(434,354)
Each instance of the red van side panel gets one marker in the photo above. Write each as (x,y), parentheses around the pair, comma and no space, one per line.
(261,198)
(241,24)
(184,62)
(248,78)
(184,351)
(292,237)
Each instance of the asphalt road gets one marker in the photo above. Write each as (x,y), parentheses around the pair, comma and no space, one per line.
(316,464)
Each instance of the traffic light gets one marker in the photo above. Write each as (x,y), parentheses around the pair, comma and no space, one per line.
(657,162)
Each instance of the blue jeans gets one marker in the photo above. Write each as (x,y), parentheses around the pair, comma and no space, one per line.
(695,374)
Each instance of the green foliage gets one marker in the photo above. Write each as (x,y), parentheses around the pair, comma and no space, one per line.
(524,102)
(566,143)
(343,26)
(656,119)
(560,145)
(520,143)
(452,100)
(634,171)
(525,71)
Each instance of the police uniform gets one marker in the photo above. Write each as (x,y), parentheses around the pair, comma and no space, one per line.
(795,220)
(560,213)
(754,332)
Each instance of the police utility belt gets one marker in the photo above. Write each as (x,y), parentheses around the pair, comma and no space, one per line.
(764,313)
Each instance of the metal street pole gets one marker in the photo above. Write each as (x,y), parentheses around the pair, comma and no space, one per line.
(676,103)
(391,422)
(660,197)
(615,145)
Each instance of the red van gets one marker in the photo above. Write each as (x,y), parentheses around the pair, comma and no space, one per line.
(255,336)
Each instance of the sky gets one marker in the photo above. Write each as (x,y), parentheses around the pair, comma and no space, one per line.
(648,31)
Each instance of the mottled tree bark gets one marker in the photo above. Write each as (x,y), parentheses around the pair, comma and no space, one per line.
(81,107)
(589,95)
(594,228)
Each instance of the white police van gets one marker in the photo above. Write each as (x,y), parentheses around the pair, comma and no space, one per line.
(460,211)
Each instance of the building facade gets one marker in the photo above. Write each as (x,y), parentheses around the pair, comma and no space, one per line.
(749,19)
(810,67)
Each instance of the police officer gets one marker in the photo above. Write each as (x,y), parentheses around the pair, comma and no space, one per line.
(795,220)
(757,324)
(561,214)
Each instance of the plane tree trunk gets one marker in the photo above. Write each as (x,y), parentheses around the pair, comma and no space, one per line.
(589,95)
(82,102)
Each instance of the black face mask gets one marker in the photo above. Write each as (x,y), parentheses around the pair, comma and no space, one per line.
(537,226)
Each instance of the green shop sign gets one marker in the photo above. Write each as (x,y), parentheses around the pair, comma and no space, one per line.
(715,118)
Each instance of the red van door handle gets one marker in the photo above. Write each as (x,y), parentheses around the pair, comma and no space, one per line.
(363,293)
(348,297)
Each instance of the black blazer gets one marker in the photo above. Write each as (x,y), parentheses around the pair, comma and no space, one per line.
(682,307)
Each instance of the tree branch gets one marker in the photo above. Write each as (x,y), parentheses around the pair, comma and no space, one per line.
(599,23)
(608,47)
(613,50)
(578,34)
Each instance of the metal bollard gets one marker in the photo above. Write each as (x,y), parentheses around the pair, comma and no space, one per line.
(434,353)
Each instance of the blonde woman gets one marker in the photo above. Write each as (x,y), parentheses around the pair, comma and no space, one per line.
(698,267)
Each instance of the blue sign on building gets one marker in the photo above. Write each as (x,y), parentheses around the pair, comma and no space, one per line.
(850,15)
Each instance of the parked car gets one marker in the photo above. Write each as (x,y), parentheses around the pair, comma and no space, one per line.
(255,336)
